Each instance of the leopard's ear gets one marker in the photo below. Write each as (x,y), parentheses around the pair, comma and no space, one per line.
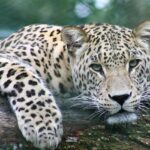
(142,34)
(75,39)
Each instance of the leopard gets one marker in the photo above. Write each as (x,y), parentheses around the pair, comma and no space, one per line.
(106,65)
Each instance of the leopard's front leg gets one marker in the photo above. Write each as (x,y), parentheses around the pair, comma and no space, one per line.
(38,115)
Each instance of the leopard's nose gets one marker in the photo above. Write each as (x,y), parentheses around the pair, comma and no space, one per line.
(120,98)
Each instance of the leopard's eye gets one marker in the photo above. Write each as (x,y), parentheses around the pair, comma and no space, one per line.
(97,68)
(133,63)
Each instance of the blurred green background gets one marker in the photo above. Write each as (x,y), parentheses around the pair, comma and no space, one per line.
(17,13)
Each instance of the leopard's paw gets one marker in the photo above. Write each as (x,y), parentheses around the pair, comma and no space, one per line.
(44,131)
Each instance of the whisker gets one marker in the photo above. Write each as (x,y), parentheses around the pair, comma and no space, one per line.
(98,113)
(93,115)
(143,108)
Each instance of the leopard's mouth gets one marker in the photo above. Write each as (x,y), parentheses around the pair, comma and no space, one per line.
(121,117)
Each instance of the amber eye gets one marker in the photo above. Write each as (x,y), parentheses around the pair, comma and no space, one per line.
(133,63)
(97,68)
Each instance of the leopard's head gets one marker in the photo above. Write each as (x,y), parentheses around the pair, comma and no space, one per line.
(110,68)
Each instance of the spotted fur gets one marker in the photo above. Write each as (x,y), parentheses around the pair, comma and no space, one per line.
(106,65)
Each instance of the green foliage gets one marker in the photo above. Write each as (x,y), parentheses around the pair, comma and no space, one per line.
(17,13)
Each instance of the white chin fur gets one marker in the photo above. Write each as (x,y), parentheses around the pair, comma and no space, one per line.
(121,118)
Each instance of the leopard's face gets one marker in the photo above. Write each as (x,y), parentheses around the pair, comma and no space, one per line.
(110,71)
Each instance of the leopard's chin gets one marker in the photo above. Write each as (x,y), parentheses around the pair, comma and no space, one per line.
(123,117)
